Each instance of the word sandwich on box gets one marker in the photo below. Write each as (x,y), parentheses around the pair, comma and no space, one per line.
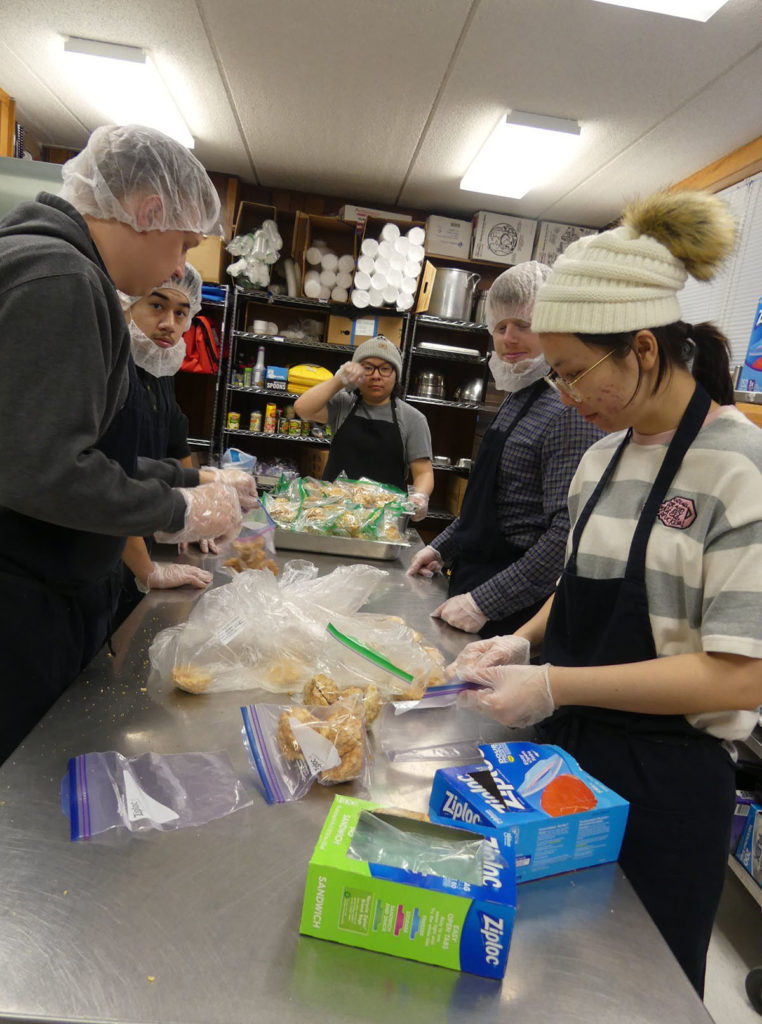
(401,885)
(539,805)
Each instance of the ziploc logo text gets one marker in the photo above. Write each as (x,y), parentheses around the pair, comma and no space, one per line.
(492,931)
(459,810)
(491,863)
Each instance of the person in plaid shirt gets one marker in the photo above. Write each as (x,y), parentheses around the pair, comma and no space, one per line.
(507,546)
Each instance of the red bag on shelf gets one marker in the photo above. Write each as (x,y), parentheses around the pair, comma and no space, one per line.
(202,347)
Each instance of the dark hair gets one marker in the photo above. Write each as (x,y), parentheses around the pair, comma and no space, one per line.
(702,348)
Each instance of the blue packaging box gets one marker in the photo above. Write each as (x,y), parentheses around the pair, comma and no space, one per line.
(749,850)
(276,377)
(536,800)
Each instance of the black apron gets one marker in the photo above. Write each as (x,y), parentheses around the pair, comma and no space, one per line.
(151,401)
(370,448)
(54,621)
(680,781)
(483,551)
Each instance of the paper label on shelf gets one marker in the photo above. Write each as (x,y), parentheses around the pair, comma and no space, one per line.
(365,327)
(231,630)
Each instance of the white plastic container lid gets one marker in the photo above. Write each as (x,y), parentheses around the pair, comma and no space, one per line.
(360,298)
(369,247)
(389,232)
(416,236)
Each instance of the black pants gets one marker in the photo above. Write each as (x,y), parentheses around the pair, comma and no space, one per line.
(46,639)
(681,791)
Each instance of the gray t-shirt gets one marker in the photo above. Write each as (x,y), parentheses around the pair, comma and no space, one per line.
(414,428)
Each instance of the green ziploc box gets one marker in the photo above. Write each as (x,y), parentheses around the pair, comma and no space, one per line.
(394,884)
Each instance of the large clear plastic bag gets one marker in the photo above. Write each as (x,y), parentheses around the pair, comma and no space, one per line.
(259,631)
(106,790)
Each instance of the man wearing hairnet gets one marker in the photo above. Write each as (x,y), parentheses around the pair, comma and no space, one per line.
(157,322)
(71,485)
(507,546)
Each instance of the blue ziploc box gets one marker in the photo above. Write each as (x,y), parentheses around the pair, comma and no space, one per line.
(751,372)
(276,377)
(387,882)
(749,849)
(537,801)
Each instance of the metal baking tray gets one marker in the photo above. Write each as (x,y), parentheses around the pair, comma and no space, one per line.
(349,547)
(454,350)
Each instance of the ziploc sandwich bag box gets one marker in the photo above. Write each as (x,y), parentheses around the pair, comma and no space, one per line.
(536,801)
(749,850)
(462,924)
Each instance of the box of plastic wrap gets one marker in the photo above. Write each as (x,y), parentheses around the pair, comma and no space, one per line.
(749,849)
(373,881)
(537,802)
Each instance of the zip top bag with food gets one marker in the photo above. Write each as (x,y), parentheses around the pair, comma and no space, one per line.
(536,801)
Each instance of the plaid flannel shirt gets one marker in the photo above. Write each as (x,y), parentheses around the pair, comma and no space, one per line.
(538,461)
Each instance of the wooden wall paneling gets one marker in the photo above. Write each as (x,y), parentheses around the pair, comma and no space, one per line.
(7,124)
(729,169)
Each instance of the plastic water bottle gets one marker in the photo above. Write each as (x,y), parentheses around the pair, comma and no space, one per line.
(258,377)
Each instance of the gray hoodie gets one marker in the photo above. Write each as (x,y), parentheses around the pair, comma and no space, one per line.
(64,350)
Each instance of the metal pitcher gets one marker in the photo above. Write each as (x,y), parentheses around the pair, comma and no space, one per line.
(452,293)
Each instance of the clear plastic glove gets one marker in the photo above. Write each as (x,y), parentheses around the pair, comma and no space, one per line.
(420,503)
(496,650)
(206,547)
(243,482)
(211,510)
(462,612)
(351,375)
(164,576)
(426,563)
(516,695)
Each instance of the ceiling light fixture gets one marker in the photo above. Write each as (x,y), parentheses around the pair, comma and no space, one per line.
(124,83)
(522,152)
(695,10)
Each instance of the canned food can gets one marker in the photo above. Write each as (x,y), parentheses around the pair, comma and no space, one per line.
(283,425)
(255,421)
(269,427)
(305,428)
(234,420)
(247,377)
(271,409)
(295,427)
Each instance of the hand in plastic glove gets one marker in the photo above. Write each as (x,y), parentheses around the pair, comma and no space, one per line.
(426,563)
(420,502)
(243,482)
(516,695)
(462,612)
(211,510)
(163,576)
(496,650)
(206,547)
(351,375)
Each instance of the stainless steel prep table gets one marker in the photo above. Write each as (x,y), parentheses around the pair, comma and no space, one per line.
(200,926)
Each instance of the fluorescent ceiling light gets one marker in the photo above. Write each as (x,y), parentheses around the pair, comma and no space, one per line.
(523,151)
(123,82)
(696,10)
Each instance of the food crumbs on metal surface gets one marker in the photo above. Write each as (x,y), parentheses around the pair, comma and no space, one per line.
(66,892)
(151,977)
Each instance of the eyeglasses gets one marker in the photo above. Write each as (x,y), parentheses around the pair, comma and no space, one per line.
(567,386)
(384,371)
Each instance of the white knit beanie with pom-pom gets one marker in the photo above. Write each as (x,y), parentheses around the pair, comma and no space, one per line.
(627,279)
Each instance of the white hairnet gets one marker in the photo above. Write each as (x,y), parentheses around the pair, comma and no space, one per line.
(189,284)
(120,163)
(513,293)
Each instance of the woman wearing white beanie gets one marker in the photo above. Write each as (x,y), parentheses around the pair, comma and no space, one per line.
(652,642)
(506,548)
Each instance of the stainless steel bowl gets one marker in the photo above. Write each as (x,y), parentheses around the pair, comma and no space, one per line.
(441,461)
(429,384)
(471,391)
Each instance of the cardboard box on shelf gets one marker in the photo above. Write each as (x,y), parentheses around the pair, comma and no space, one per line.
(359,214)
(538,803)
(346,330)
(499,238)
(456,489)
(210,259)
(276,377)
(446,236)
(251,216)
(339,236)
(313,462)
(461,918)
(553,238)
(749,849)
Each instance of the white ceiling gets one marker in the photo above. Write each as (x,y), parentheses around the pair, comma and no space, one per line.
(386,101)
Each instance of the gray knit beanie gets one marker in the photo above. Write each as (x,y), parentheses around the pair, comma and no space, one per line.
(379,348)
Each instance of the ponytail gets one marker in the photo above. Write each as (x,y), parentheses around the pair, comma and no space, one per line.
(711,362)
